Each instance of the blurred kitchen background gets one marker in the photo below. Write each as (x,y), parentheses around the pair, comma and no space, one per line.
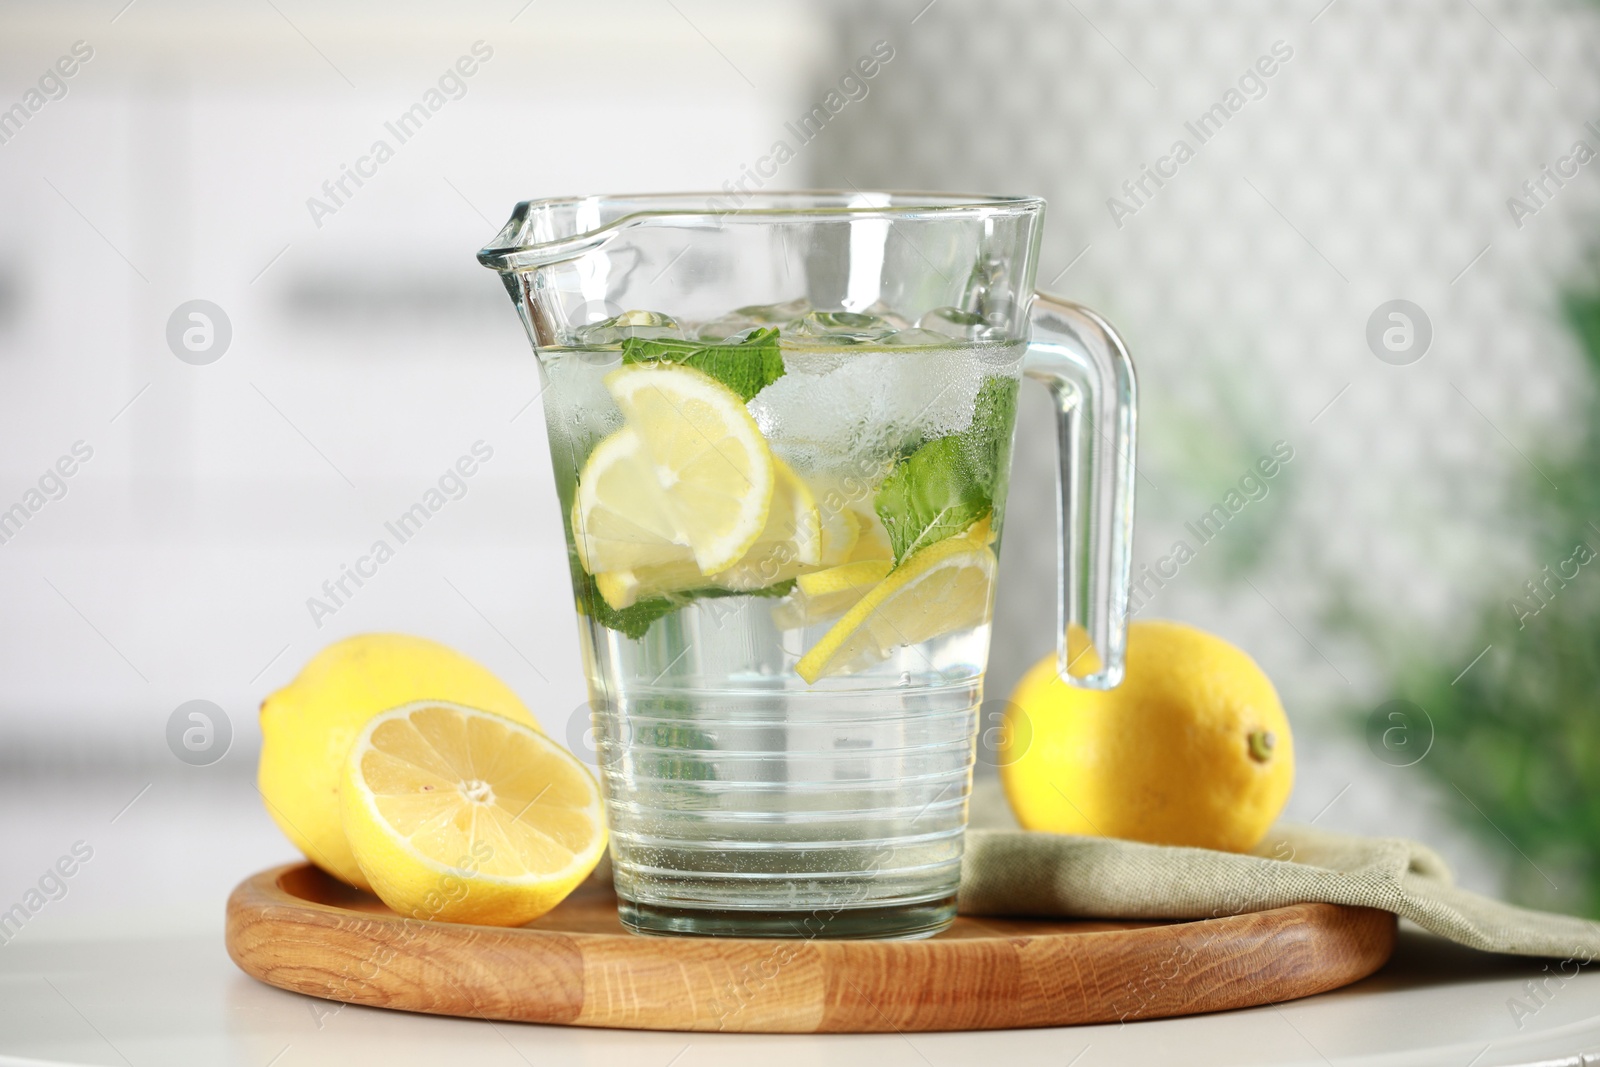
(1424,153)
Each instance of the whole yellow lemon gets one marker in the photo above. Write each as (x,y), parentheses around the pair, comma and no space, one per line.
(1193,748)
(307,728)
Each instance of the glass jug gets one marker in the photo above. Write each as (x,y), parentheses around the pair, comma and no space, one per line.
(782,437)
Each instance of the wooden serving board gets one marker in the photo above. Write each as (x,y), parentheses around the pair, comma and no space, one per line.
(296,928)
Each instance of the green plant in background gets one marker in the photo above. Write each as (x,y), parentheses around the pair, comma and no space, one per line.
(1519,734)
(1219,434)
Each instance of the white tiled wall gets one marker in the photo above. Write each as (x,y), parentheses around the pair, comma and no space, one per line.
(1375,163)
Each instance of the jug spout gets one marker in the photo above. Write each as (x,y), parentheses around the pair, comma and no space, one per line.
(542,232)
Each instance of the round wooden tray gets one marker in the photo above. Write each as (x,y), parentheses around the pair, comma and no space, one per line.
(296,928)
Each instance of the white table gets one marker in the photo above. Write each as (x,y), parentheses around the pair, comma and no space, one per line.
(129,968)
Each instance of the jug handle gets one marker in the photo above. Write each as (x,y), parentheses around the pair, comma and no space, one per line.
(1078,356)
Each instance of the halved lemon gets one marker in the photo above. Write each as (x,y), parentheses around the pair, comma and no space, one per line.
(942,589)
(827,594)
(464,816)
(790,542)
(620,515)
(709,457)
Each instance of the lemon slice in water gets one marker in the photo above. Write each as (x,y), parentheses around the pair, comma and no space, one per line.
(827,594)
(620,516)
(944,588)
(790,542)
(710,460)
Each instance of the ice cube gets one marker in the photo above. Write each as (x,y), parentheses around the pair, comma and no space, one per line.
(889,315)
(776,314)
(841,328)
(962,325)
(838,411)
(578,409)
(741,322)
(647,324)
(715,333)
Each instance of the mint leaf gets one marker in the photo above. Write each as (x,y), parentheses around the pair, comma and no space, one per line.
(746,367)
(988,439)
(775,591)
(950,482)
(651,350)
(930,495)
(635,620)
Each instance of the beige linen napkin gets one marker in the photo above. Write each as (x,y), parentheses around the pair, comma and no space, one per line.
(1024,873)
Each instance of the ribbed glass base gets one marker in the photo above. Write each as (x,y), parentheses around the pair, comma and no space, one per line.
(899,922)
